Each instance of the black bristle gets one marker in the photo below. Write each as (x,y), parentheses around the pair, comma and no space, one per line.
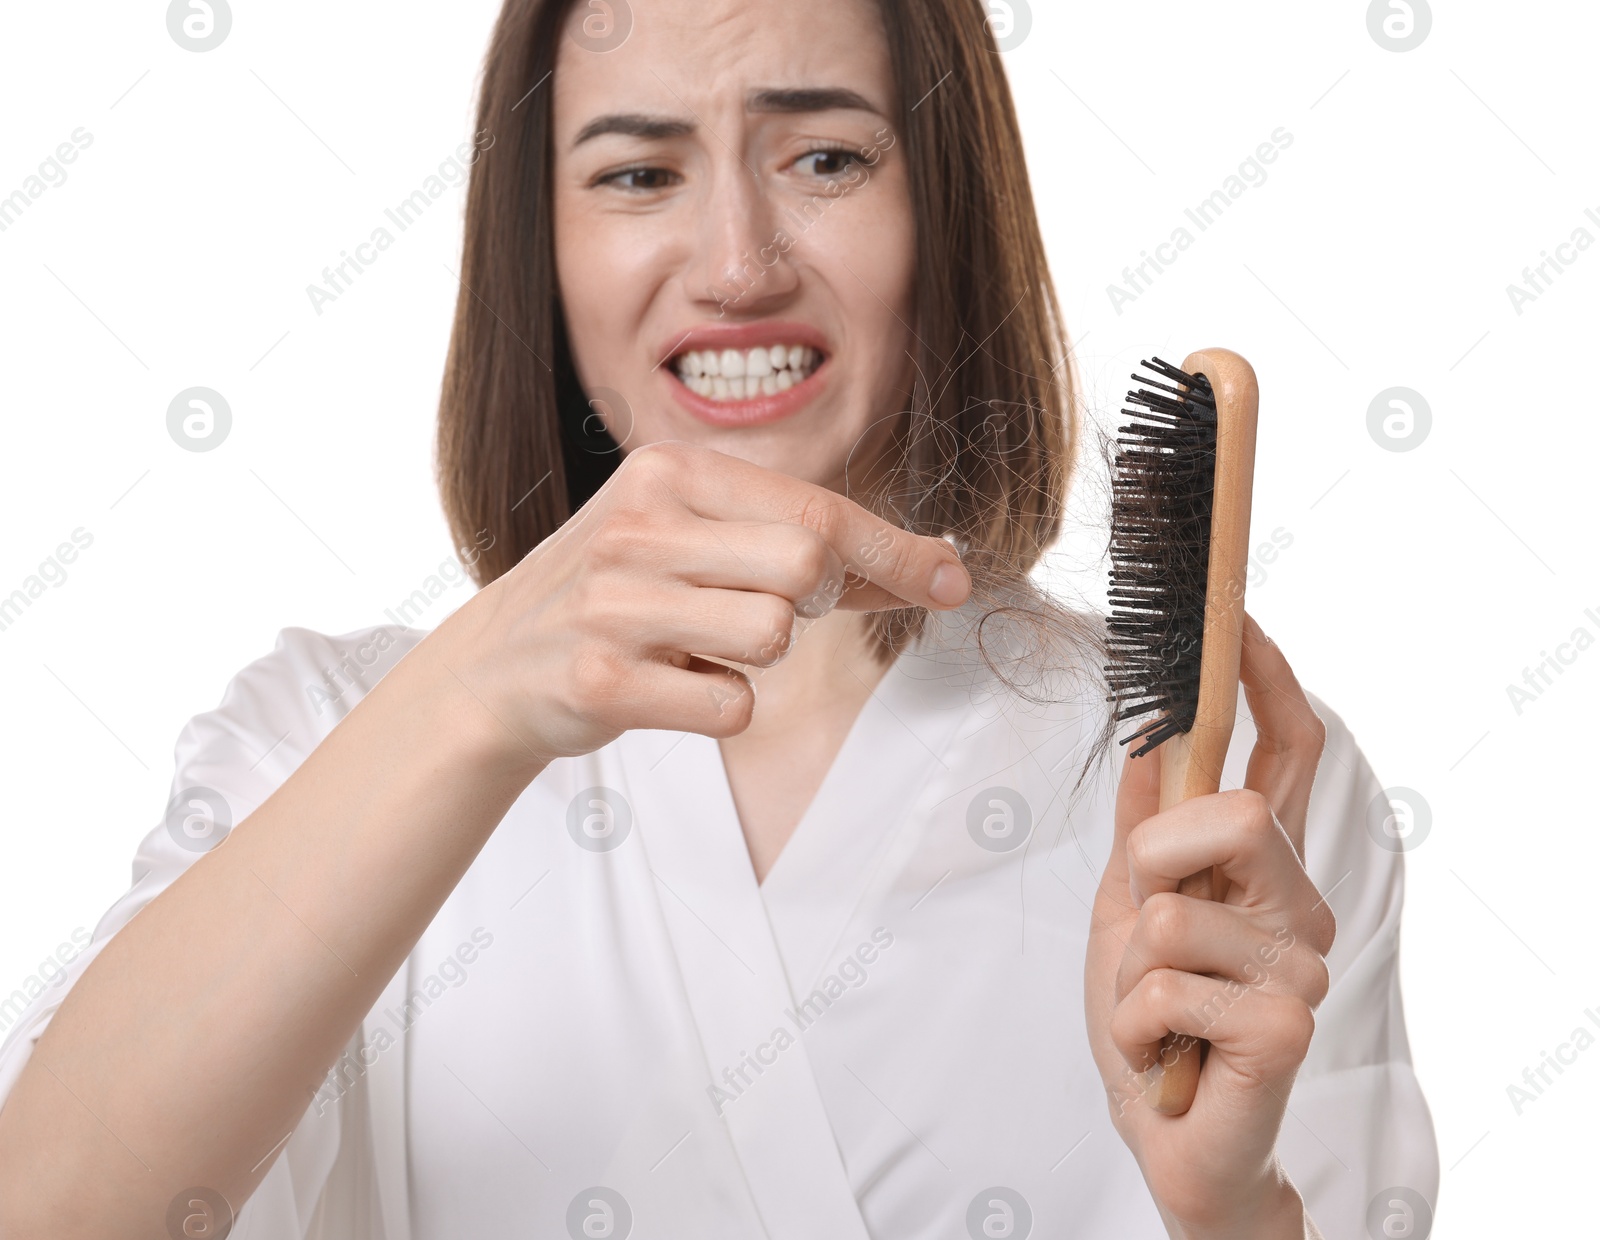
(1166,467)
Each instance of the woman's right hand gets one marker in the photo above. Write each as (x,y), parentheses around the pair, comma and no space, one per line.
(685,555)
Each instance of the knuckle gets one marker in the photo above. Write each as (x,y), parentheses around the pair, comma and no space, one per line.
(1141,850)
(1253,813)
(1166,918)
(1320,981)
(774,629)
(1296,1024)
(1324,930)
(1122,1031)
(663,457)
(812,560)
(777,617)
(892,556)
(1164,988)
(598,677)
(823,517)
(1320,930)
(619,535)
(1305,736)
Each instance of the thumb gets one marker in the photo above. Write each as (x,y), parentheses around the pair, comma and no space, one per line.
(1138,798)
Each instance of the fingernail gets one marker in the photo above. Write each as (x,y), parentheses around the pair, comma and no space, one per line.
(950,585)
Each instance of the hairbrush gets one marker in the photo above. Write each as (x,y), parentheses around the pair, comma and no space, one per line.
(1180,533)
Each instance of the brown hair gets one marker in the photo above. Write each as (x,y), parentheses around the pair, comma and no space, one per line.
(986,445)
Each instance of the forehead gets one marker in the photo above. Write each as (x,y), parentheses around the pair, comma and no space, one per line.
(701,58)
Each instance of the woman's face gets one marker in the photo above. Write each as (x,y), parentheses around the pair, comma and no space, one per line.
(733,230)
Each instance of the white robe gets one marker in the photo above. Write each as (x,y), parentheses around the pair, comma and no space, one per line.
(610,1029)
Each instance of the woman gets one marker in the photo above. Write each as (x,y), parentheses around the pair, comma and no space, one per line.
(700,876)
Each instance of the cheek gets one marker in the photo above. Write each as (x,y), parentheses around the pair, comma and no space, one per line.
(583,274)
(865,249)
(587,273)
(602,279)
(871,228)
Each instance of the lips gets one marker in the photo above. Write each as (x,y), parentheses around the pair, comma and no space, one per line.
(748,374)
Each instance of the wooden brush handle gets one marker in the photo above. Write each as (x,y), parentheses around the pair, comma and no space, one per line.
(1191,763)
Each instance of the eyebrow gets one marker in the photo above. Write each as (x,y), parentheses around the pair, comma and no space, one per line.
(634,125)
(808,99)
(791,101)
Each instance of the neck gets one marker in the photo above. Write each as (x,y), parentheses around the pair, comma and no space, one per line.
(806,705)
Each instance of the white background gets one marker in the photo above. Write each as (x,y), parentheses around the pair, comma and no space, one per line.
(1376,254)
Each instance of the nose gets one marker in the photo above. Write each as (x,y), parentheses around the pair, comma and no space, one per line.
(741,265)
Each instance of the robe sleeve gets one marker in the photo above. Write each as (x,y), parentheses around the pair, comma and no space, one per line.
(1357,1124)
(272,715)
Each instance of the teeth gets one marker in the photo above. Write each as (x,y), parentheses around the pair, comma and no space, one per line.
(734,375)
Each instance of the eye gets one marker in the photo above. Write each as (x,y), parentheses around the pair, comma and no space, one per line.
(828,161)
(639,180)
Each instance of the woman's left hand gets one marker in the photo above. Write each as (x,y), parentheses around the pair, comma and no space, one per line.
(1244,972)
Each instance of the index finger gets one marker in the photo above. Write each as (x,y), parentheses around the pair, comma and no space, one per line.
(916,569)
(1289,733)
(1138,798)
